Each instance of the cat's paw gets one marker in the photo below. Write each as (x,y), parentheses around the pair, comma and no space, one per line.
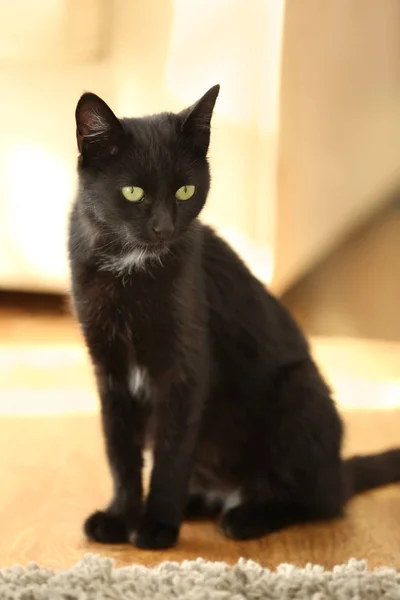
(106,528)
(242,523)
(152,535)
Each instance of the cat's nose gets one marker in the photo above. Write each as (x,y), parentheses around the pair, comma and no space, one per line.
(163,227)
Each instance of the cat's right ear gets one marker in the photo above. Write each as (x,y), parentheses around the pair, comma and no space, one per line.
(98,131)
(197,118)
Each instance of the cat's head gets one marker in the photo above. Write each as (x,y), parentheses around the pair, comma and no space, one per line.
(143,179)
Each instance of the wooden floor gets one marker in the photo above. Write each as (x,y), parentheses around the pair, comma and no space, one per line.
(53,472)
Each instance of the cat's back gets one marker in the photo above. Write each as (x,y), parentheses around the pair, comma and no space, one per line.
(226,274)
(244,315)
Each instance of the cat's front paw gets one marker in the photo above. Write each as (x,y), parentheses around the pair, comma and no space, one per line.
(152,535)
(106,528)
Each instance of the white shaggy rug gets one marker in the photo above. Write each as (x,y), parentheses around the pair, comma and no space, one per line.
(95,578)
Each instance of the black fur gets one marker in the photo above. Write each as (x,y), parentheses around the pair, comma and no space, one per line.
(222,383)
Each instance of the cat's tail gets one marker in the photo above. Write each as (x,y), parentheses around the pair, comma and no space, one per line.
(371,471)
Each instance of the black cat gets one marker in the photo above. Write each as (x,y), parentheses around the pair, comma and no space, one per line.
(192,355)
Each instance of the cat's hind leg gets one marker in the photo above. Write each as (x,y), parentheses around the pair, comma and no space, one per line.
(302,461)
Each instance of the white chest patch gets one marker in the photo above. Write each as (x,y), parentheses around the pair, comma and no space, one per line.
(139,382)
(137,259)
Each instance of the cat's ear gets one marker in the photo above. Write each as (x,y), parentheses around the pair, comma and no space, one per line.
(98,131)
(197,120)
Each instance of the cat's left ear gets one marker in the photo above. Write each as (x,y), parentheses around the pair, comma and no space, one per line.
(98,131)
(197,119)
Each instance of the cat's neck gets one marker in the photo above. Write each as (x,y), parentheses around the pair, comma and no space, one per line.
(118,256)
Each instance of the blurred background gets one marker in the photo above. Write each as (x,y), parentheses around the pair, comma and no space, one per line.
(305,159)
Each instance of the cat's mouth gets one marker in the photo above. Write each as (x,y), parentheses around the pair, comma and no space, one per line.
(160,245)
(156,246)
(142,244)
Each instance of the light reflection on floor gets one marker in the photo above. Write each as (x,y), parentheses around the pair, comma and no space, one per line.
(53,378)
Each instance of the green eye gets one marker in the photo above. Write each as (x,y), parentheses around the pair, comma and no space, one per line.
(133,193)
(185,192)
